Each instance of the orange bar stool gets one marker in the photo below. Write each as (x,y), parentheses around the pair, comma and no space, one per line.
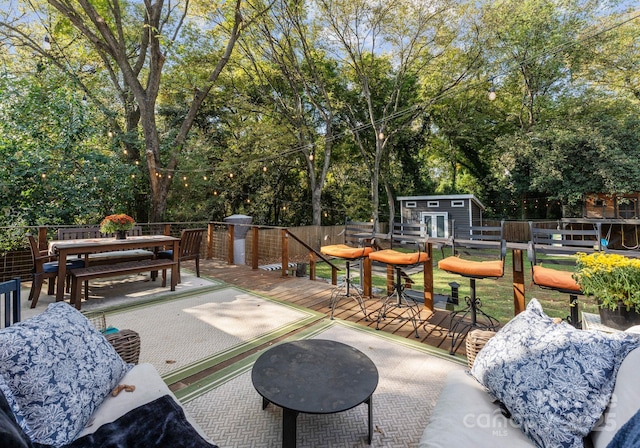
(346,288)
(556,243)
(398,299)
(476,241)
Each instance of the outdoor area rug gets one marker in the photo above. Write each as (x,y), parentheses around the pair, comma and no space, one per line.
(185,334)
(105,293)
(230,411)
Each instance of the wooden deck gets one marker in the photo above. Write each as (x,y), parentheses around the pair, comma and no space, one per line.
(316,295)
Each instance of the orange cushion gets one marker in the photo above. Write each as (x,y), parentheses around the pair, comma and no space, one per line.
(391,256)
(469,268)
(344,251)
(555,279)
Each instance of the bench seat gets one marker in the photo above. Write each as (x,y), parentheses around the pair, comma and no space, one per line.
(114,270)
(117,256)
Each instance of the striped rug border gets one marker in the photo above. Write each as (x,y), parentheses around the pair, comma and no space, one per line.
(215,380)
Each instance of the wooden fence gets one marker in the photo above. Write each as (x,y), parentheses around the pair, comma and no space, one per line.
(268,245)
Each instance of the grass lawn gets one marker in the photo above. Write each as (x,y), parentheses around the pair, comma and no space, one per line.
(496,295)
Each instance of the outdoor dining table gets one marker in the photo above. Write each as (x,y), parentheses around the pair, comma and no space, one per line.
(87,246)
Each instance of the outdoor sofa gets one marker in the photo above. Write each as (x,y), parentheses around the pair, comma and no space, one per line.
(58,374)
(537,382)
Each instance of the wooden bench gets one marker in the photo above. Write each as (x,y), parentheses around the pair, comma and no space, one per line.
(114,270)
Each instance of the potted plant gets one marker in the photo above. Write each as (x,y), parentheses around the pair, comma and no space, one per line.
(117,224)
(614,280)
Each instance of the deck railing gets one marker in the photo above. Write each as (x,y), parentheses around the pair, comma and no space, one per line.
(273,245)
(262,245)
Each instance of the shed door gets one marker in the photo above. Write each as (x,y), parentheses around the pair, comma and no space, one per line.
(437,224)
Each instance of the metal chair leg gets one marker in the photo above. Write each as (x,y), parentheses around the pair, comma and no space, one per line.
(458,322)
(573,319)
(399,300)
(344,290)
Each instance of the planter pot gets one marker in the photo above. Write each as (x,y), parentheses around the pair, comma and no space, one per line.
(620,319)
(121,235)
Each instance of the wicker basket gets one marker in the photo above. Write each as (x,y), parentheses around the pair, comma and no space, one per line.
(476,339)
(98,320)
(127,344)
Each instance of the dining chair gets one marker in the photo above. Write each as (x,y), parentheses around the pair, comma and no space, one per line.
(555,244)
(407,250)
(478,252)
(10,292)
(358,244)
(189,249)
(45,266)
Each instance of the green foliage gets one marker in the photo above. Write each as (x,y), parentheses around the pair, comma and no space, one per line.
(561,98)
(58,165)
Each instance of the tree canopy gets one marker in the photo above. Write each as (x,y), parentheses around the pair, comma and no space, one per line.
(309,112)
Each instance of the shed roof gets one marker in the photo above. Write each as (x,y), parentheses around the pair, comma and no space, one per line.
(441,197)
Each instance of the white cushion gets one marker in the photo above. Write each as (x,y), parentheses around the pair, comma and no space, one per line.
(625,401)
(465,416)
(149,386)
(120,254)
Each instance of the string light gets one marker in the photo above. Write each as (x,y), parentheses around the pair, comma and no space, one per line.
(492,94)
(46,43)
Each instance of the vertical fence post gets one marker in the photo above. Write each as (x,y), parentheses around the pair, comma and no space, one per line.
(428,278)
(210,234)
(255,247)
(390,279)
(518,281)
(285,252)
(42,238)
(167,229)
(367,285)
(230,243)
(312,266)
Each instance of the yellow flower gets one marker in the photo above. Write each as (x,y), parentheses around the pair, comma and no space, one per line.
(612,278)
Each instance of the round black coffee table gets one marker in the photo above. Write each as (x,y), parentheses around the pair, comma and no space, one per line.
(314,376)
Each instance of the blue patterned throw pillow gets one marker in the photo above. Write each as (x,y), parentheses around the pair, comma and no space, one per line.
(56,370)
(555,380)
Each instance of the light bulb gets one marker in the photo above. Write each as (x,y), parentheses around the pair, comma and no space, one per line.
(492,94)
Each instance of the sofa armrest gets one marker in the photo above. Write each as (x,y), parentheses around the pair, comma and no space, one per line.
(475,341)
(127,344)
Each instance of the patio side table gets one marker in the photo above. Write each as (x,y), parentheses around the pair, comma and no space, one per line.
(314,376)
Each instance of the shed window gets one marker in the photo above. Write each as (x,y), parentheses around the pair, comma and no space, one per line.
(412,204)
(457,203)
(433,204)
